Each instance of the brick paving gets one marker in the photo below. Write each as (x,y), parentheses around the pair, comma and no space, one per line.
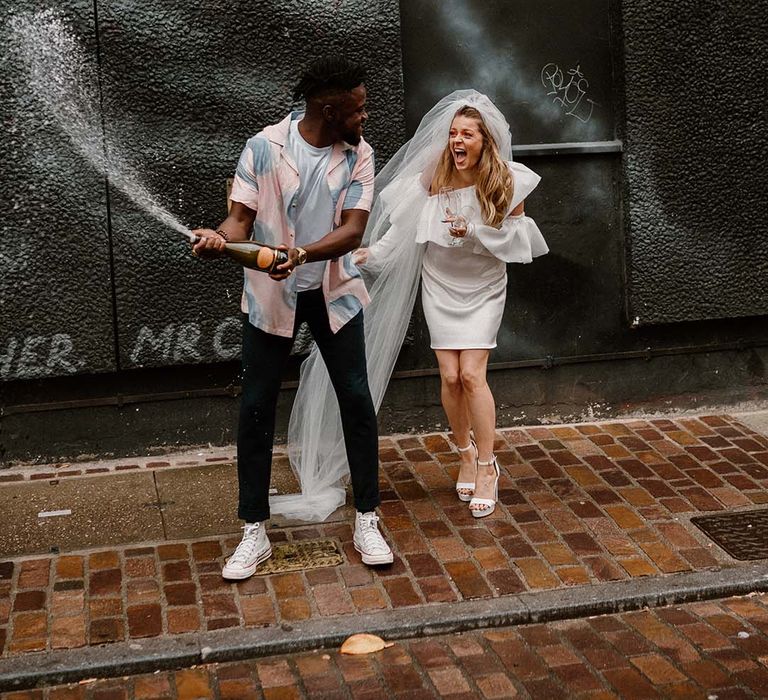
(62,470)
(578,505)
(702,650)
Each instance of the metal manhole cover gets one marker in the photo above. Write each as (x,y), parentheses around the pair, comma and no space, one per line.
(297,556)
(743,535)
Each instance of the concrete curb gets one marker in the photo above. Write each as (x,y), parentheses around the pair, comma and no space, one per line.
(145,656)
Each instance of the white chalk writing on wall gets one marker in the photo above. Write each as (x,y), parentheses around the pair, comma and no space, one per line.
(569,90)
(186,342)
(38,356)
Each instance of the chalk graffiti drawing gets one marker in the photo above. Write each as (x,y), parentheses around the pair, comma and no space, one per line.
(38,356)
(569,90)
(177,343)
(186,342)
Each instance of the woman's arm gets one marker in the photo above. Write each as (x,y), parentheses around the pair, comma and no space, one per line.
(376,255)
(402,201)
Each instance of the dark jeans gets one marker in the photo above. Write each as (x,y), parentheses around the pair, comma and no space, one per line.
(264,356)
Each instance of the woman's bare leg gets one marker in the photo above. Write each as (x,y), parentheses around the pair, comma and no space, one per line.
(455,406)
(473,366)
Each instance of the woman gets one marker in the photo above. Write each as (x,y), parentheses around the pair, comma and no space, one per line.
(464,287)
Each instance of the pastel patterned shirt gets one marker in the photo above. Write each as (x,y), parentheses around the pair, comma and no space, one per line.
(267,181)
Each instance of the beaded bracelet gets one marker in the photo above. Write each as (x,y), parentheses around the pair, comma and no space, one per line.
(223,234)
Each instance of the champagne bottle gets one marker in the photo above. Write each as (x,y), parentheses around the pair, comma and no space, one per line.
(254,255)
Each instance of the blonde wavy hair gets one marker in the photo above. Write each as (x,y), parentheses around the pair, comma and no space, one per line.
(494,184)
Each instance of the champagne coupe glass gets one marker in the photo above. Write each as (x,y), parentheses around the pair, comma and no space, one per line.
(450,206)
(465,216)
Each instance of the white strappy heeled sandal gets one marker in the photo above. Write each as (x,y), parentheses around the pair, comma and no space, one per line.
(466,485)
(489,502)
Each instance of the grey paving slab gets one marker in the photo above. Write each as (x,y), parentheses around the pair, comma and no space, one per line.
(106,510)
(198,501)
(757,420)
(128,507)
(202,501)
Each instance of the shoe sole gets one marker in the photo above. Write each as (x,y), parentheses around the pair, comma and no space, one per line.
(377,560)
(250,571)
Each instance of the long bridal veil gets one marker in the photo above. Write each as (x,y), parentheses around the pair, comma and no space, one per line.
(315,439)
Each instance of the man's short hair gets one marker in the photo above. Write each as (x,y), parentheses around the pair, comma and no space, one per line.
(329,75)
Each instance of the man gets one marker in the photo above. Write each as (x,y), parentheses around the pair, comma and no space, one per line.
(306,185)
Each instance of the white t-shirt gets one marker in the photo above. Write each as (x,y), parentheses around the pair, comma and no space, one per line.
(314,204)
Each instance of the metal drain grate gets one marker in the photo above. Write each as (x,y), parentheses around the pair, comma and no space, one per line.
(743,535)
(298,556)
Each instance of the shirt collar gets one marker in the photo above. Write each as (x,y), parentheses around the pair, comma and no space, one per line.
(278,133)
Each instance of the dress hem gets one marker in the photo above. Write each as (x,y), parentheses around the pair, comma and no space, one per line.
(464,347)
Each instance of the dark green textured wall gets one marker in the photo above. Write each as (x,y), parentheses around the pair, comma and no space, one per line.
(696,147)
(55,287)
(95,284)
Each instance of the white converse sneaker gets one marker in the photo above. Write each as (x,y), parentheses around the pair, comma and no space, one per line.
(369,542)
(253,549)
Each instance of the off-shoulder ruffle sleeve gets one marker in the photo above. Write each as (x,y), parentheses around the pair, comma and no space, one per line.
(525,182)
(518,240)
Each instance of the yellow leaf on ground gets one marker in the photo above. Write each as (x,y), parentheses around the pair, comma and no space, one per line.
(363,644)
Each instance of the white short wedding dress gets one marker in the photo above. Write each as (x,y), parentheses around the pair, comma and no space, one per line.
(463,288)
